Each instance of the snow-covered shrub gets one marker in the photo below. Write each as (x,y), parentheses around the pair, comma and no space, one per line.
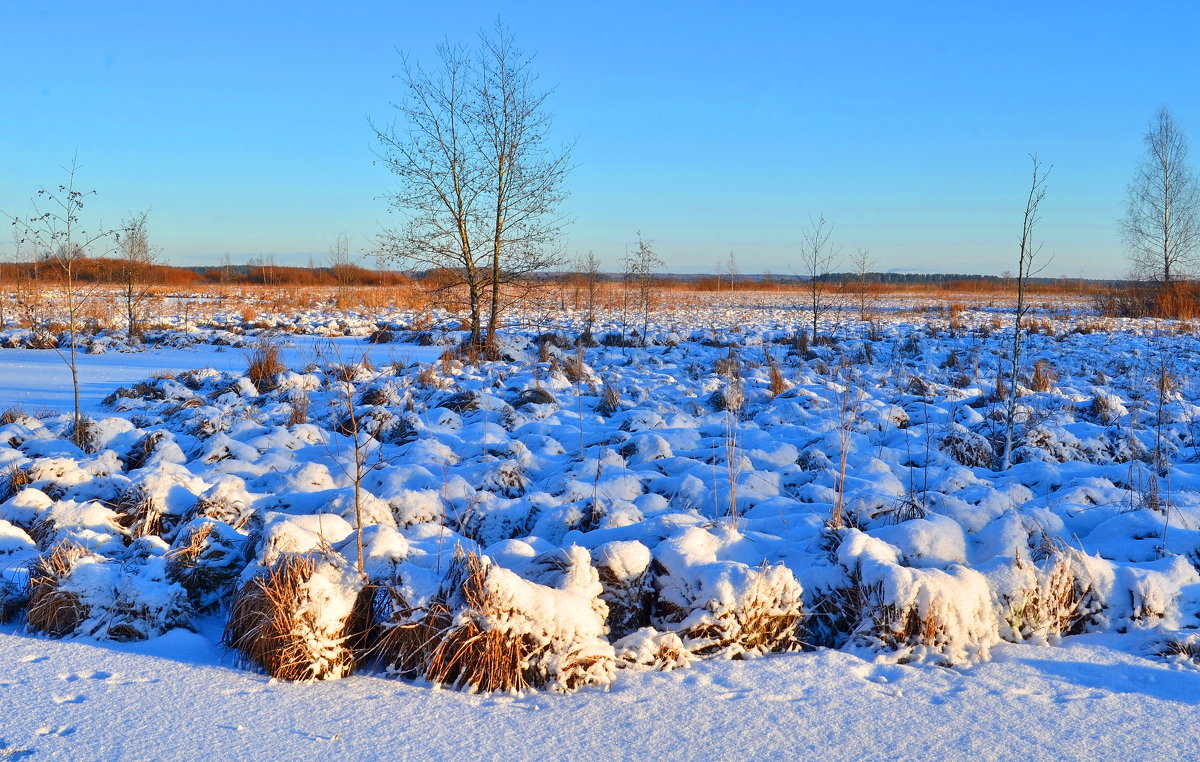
(88,523)
(226,501)
(1185,648)
(724,606)
(943,615)
(73,591)
(623,567)
(155,504)
(967,447)
(26,507)
(489,629)
(206,559)
(304,617)
(13,539)
(1039,600)
(13,598)
(488,519)
(647,648)
(1147,595)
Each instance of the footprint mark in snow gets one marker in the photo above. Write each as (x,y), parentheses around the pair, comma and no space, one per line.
(94,675)
(78,698)
(33,659)
(60,731)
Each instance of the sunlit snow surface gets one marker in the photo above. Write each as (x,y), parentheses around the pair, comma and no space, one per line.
(41,378)
(180,697)
(183,696)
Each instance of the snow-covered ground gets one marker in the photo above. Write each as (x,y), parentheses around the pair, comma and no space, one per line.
(40,378)
(179,697)
(820,544)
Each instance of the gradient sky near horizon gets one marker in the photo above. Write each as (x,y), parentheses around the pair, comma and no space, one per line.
(709,128)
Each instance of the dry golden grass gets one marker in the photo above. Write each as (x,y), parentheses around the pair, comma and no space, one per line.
(610,399)
(14,480)
(574,367)
(1043,377)
(272,624)
(264,364)
(457,639)
(299,414)
(52,610)
(139,513)
(1050,607)
(14,414)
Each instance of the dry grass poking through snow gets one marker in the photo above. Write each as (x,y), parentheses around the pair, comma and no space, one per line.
(490,630)
(284,620)
(264,364)
(53,610)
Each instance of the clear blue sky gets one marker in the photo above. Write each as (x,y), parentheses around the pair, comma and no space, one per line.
(242,126)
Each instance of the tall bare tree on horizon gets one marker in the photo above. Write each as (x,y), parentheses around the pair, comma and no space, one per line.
(135,260)
(525,174)
(817,257)
(429,149)
(479,183)
(1161,226)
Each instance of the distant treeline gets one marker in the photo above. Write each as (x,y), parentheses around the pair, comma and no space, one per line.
(111,270)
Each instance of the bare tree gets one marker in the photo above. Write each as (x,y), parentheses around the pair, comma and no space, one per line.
(1162,223)
(59,233)
(589,268)
(479,185)
(862,265)
(136,258)
(817,258)
(1028,265)
(440,175)
(731,268)
(640,266)
(525,175)
(15,258)
(366,451)
(342,267)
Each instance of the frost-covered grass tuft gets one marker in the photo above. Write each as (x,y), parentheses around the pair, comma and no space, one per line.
(725,607)
(304,617)
(54,610)
(488,629)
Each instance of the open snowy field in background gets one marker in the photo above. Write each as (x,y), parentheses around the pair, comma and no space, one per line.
(39,378)
(719,540)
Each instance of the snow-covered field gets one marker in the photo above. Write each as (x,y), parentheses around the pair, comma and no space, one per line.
(719,542)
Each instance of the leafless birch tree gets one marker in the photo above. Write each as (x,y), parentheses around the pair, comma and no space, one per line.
(639,268)
(441,177)
(1162,222)
(817,258)
(136,258)
(862,265)
(56,228)
(1028,265)
(525,174)
(480,183)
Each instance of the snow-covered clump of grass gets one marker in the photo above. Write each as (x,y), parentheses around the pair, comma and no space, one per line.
(303,617)
(722,606)
(73,591)
(490,629)
(944,616)
(647,648)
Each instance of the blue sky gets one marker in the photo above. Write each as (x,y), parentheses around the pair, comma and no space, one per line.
(242,126)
